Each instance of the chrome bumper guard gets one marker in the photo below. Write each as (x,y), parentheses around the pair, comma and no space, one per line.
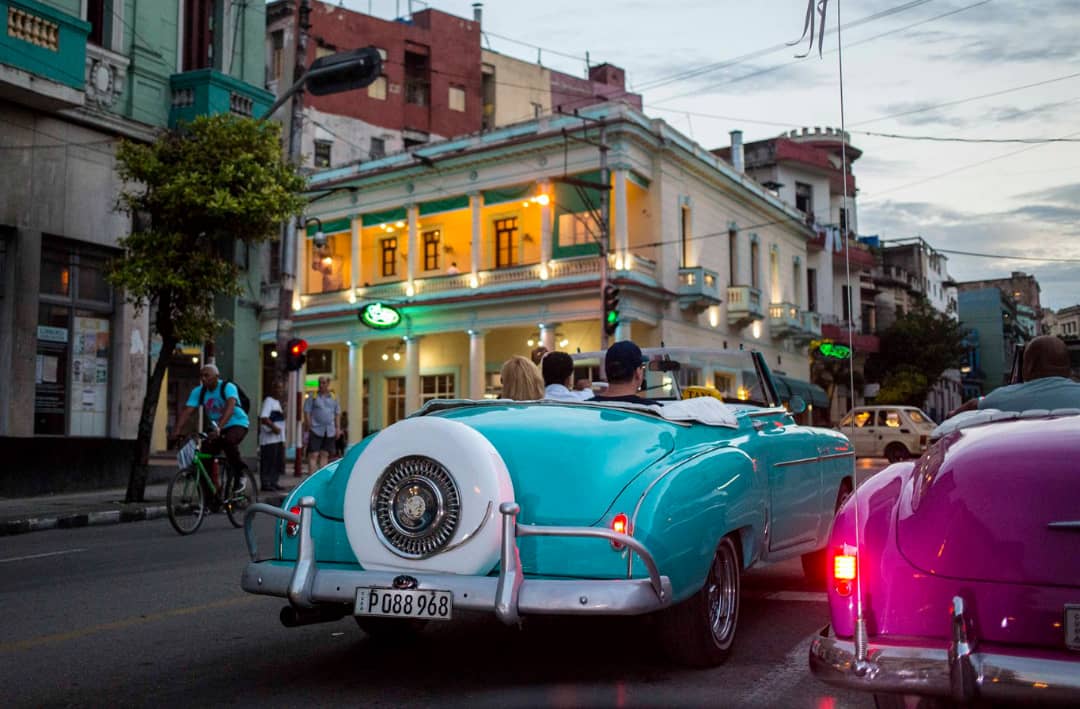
(509,594)
(954,671)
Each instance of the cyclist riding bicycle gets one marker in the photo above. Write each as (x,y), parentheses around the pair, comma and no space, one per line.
(226,418)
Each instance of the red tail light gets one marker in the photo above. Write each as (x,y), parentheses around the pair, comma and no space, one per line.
(620,523)
(293,528)
(844,567)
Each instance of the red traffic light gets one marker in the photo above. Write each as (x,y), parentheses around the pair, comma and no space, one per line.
(294,354)
(297,347)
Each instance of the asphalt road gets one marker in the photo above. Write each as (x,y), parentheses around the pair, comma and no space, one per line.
(134,615)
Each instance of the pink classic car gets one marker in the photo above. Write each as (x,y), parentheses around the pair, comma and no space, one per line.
(956,577)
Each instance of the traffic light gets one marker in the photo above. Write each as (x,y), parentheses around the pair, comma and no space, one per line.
(294,354)
(611,309)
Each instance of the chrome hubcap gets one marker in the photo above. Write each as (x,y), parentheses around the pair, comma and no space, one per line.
(723,592)
(415,507)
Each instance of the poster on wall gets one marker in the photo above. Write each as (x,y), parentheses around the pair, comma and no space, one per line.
(90,377)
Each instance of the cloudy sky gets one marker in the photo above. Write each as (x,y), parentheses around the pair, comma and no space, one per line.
(977,70)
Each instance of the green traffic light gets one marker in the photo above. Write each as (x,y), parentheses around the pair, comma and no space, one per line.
(613,317)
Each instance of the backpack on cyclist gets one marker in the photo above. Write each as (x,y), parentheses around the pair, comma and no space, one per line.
(243,401)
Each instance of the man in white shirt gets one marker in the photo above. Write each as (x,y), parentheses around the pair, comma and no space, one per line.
(558,369)
(272,439)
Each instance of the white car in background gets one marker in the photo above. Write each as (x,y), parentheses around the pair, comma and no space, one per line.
(893,432)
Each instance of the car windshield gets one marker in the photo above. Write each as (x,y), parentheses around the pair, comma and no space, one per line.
(675,373)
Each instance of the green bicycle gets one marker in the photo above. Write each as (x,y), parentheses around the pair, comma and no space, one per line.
(193,492)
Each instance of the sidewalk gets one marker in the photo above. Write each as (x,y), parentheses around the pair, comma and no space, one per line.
(64,511)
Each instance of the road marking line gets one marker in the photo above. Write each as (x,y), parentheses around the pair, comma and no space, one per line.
(41,556)
(783,676)
(806,596)
(123,624)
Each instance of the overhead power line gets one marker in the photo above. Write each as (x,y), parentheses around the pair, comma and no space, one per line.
(947,139)
(1009,257)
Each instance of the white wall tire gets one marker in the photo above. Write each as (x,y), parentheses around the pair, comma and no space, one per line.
(481,483)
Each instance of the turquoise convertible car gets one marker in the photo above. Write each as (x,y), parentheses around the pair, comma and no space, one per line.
(554,508)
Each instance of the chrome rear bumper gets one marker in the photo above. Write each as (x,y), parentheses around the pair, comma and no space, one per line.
(509,594)
(935,671)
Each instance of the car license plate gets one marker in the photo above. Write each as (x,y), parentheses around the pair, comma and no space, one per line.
(404,603)
(1072,626)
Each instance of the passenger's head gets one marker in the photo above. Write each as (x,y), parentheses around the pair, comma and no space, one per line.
(538,354)
(1046,356)
(521,380)
(557,368)
(623,362)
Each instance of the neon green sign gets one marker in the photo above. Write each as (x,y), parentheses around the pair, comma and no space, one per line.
(379,316)
(834,351)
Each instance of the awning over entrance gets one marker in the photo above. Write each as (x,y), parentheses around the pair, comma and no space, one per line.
(788,387)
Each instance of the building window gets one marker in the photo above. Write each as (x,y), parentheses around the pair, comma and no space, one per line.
(378,148)
(198,50)
(724,383)
(796,274)
(73,359)
(755,264)
(377,89)
(487,93)
(431,249)
(804,198)
(395,400)
(733,257)
(389,256)
(457,98)
(436,386)
(684,235)
(417,85)
(319,362)
(576,229)
(843,222)
(323,51)
(505,242)
(99,15)
(322,152)
(277,55)
(329,263)
(811,290)
(845,295)
(774,274)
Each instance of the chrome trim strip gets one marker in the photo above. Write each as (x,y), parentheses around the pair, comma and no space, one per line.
(304,574)
(1069,526)
(779,410)
(509,587)
(800,461)
(467,537)
(926,671)
(831,456)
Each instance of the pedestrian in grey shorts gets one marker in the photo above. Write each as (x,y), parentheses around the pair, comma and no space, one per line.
(322,419)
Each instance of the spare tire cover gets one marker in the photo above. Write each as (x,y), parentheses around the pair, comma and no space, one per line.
(424,496)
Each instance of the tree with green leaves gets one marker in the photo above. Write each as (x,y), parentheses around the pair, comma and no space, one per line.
(193,194)
(915,351)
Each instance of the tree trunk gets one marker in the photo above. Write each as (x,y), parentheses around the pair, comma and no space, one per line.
(140,466)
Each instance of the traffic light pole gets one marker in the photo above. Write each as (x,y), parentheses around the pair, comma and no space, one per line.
(605,179)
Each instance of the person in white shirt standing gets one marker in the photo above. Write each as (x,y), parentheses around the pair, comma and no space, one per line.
(272,439)
(558,369)
(322,419)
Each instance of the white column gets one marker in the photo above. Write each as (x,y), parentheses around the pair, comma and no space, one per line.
(477,364)
(476,203)
(355,264)
(355,400)
(301,268)
(414,218)
(622,229)
(622,331)
(545,223)
(412,374)
(547,335)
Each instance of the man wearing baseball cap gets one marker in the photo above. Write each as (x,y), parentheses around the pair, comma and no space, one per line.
(624,366)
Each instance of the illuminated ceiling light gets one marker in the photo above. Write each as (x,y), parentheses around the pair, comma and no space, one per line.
(564,342)
(474,282)
(530,342)
(525,203)
(756,329)
(273,353)
(410,290)
(543,272)
(352,297)
(400,225)
(543,200)
(618,263)
(328,261)
(195,359)
(397,356)
(714,316)
(385,356)
(296,304)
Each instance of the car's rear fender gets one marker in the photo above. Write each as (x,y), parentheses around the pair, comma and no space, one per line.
(682,513)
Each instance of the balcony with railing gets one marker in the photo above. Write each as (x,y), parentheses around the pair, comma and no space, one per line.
(208,92)
(785,319)
(699,288)
(42,55)
(744,305)
(811,326)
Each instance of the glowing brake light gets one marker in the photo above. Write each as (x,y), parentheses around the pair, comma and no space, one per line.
(844,567)
(292,528)
(620,523)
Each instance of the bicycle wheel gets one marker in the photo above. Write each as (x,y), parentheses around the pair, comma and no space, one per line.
(238,501)
(186,501)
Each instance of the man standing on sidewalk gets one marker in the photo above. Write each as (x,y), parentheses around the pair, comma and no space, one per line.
(271,440)
(321,420)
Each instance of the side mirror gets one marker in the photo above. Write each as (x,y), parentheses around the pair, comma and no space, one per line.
(796,405)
